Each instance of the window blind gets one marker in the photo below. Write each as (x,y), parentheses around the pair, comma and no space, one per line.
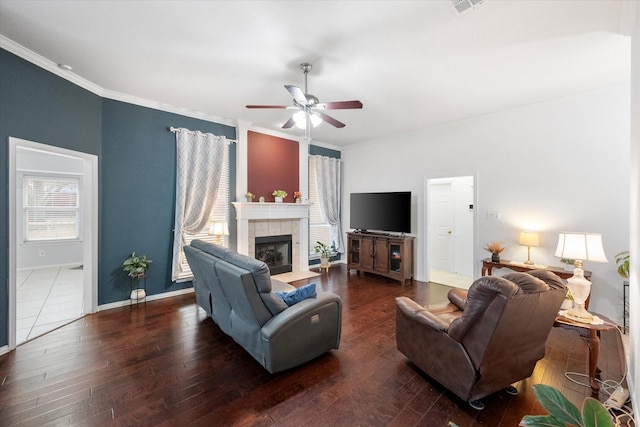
(51,208)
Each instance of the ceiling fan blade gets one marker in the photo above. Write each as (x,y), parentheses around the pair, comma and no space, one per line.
(289,124)
(280,107)
(297,94)
(341,105)
(330,120)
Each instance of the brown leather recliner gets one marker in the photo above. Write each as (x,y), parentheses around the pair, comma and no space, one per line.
(484,339)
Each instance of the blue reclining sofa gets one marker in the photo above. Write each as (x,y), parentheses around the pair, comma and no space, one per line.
(239,294)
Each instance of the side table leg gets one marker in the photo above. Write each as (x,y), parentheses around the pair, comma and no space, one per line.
(593,342)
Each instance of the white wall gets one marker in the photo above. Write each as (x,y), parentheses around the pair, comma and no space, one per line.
(553,166)
(32,255)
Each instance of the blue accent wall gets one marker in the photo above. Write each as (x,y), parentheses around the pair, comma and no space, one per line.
(136,156)
(138,166)
(38,106)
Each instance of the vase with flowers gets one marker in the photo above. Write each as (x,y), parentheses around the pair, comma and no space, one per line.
(249,196)
(279,195)
(297,196)
(495,248)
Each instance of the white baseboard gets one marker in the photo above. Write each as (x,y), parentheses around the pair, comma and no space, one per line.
(127,302)
(4,350)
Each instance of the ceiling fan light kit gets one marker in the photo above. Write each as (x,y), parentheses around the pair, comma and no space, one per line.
(310,108)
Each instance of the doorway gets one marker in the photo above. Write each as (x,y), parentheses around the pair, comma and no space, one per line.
(41,268)
(450,219)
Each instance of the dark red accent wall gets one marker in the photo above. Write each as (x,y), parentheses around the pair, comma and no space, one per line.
(273,164)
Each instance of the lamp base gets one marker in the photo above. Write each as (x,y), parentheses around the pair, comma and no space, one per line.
(580,314)
(529,262)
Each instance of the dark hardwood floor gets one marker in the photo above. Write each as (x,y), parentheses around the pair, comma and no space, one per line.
(164,363)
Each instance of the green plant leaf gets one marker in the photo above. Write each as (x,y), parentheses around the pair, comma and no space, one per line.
(541,421)
(595,414)
(557,405)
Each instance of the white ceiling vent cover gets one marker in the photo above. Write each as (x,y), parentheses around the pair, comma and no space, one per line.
(465,5)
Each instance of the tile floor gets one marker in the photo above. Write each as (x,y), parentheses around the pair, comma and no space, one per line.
(46,299)
(450,279)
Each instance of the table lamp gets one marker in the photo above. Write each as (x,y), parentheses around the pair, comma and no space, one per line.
(579,247)
(219,229)
(528,239)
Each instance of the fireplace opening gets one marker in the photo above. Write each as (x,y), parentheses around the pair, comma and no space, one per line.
(275,251)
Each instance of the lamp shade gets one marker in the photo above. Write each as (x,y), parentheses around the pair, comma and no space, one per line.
(580,246)
(220,229)
(529,238)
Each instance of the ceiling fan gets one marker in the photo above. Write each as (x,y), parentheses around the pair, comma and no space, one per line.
(310,108)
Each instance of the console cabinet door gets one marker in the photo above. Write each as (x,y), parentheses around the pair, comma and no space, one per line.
(381,257)
(353,255)
(366,253)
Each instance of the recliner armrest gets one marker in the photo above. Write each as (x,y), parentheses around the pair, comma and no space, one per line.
(458,297)
(417,312)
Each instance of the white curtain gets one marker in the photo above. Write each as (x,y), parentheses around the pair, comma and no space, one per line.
(329,176)
(199,159)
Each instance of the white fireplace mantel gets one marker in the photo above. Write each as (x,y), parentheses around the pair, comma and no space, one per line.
(246,212)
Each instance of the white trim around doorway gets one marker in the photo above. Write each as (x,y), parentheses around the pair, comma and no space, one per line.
(89,218)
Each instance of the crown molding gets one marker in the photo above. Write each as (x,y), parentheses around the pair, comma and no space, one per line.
(52,67)
(142,102)
(48,65)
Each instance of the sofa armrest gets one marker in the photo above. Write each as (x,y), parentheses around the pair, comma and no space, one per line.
(418,313)
(300,312)
(302,332)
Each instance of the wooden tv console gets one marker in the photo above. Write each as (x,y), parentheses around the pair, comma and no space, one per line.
(386,255)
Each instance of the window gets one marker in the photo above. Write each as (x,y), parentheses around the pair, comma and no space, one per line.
(51,208)
(220,214)
(319,228)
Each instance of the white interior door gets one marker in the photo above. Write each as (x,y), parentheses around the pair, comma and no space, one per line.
(442,225)
(450,224)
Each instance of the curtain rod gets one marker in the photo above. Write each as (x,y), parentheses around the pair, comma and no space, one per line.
(174,130)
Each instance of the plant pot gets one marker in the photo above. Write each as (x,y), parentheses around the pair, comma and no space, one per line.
(324,261)
(249,199)
(278,199)
(138,295)
(495,257)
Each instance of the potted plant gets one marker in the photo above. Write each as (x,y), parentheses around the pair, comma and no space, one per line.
(324,251)
(297,196)
(136,265)
(495,248)
(563,413)
(279,195)
(622,259)
(249,196)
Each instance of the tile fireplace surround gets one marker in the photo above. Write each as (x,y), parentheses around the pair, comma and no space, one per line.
(270,219)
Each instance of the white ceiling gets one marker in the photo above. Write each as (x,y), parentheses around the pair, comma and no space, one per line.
(413,64)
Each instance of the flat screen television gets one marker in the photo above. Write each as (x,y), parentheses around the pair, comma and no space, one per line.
(390,211)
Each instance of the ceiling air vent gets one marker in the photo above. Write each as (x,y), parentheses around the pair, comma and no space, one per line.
(465,5)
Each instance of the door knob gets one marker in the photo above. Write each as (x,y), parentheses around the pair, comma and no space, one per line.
(449,232)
